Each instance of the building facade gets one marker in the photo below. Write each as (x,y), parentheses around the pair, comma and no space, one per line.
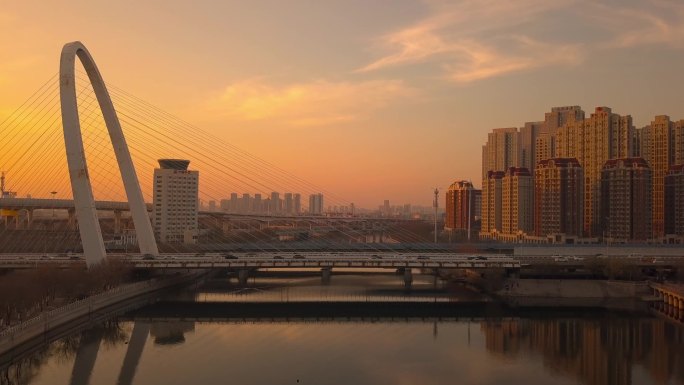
(603,136)
(517,202)
(626,200)
(501,150)
(674,201)
(461,218)
(658,150)
(492,194)
(316,204)
(175,202)
(558,197)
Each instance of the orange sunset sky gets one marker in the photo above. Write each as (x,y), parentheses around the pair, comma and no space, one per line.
(371,100)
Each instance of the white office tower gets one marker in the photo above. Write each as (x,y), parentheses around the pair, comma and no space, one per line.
(175,202)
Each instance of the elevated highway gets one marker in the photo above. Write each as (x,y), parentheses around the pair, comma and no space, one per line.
(291,260)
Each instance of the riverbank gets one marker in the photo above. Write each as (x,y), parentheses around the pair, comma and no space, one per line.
(18,339)
(572,292)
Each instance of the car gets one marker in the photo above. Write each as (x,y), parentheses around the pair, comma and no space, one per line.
(148,256)
(229,256)
(481,258)
(277,257)
(74,258)
(298,257)
(375,257)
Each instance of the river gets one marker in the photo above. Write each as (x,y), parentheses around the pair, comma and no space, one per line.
(357,329)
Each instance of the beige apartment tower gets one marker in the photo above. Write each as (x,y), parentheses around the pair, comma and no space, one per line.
(558,197)
(517,201)
(658,150)
(593,141)
(492,194)
(175,202)
(626,200)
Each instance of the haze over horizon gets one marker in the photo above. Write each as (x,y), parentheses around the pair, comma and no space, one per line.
(373,100)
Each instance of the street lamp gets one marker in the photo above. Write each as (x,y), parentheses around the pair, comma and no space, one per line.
(53,193)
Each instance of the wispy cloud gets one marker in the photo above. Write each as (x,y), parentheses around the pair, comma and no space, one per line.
(472,40)
(641,23)
(479,39)
(315,103)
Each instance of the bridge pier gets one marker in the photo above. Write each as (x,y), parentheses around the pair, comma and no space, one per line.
(243,276)
(71,223)
(408,278)
(117,221)
(326,275)
(29,218)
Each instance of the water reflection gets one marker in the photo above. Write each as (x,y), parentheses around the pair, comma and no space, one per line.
(594,351)
(587,347)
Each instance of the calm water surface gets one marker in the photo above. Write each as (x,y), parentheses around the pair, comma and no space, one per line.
(585,347)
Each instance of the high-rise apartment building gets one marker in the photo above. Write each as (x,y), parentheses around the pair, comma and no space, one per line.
(492,193)
(592,142)
(674,201)
(558,197)
(544,148)
(460,207)
(561,116)
(316,204)
(288,204)
(234,205)
(258,204)
(386,209)
(297,205)
(245,204)
(527,139)
(658,150)
(517,201)
(626,199)
(276,205)
(174,202)
(225,205)
(501,150)
(678,142)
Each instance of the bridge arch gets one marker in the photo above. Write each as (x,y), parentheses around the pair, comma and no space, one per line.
(84,203)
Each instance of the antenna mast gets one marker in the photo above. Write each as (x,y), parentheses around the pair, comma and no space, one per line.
(2,185)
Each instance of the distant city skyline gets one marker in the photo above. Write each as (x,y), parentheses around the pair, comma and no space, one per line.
(398,101)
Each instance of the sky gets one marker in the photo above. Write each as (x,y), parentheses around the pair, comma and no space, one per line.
(372,100)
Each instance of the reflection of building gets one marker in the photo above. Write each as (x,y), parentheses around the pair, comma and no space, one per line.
(171,332)
(175,201)
(593,351)
(626,199)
